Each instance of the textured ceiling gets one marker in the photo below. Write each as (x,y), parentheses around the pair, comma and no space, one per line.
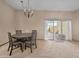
(56,5)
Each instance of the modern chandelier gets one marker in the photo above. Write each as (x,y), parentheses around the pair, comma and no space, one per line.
(27,11)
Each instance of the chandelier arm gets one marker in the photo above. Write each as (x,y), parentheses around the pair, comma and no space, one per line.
(22,4)
(28,5)
(27,12)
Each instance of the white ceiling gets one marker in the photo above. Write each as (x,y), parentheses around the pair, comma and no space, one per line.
(55,5)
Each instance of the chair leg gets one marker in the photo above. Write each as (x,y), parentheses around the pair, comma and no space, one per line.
(25,46)
(21,47)
(11,51)
(35,45)
(8,47)
(31,47)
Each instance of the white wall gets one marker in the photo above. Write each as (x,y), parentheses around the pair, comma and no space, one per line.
(75,26)
(7,20)
(37,21)
(11,20)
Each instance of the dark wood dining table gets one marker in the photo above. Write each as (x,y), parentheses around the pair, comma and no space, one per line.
(21,36)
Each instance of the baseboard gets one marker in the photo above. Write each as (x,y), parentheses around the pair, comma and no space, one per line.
(3,44)
(76,40)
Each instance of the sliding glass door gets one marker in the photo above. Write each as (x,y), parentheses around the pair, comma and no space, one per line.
(66,29)
(58,30)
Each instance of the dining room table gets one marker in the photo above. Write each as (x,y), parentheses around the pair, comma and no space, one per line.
(22,37)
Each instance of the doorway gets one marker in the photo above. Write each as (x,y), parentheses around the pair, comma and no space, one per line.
(58,30)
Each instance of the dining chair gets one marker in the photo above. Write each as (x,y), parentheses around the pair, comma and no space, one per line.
(18,31)
(34,37)
(13,44)
(31,40)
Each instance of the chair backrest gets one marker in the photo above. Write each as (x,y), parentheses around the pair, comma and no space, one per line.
(18,31)
(10,38)
(34,36)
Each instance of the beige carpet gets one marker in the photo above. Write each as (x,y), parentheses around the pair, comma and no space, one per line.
(46,49)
